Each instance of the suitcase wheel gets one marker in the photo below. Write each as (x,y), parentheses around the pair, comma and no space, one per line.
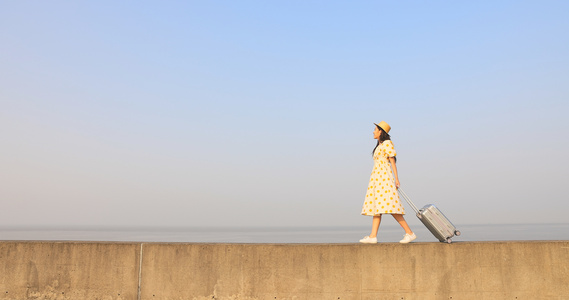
(457,233)
(449,240)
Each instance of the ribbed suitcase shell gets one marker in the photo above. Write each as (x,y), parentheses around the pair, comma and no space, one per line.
(437,223)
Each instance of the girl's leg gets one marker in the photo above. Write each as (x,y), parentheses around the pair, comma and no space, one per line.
(375,226)
(403,223)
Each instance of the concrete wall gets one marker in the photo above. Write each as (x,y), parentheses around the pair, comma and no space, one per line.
(65,270)
(467,270)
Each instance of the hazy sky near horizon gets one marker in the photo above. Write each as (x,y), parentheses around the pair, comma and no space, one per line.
(260,113)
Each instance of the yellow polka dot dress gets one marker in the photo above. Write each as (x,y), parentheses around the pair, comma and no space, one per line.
(382,197)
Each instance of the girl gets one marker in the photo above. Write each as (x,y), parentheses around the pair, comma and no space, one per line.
(382,196)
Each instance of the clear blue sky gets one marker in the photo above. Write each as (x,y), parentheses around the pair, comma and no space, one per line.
(260,113)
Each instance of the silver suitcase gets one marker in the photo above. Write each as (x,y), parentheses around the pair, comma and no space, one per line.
(437,223)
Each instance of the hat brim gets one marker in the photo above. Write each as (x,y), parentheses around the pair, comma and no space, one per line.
(382,128)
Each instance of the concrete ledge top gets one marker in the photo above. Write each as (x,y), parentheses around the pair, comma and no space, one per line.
(295,244)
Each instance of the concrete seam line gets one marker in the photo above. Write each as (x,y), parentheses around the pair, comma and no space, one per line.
(361,261)
(140,271)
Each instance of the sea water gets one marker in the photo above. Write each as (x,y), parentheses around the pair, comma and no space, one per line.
(387,233)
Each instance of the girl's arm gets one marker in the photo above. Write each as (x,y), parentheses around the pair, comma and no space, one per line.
(394,168)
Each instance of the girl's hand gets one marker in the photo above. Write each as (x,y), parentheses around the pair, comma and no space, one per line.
(397,183)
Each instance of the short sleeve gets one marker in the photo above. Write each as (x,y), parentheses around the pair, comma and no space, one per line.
(389,148)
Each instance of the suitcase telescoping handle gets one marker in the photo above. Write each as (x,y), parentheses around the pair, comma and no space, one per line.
(413,206)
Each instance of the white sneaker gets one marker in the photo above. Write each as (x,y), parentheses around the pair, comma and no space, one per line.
(368,240)
(408,238)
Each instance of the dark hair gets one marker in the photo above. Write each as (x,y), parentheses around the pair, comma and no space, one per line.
(383,136)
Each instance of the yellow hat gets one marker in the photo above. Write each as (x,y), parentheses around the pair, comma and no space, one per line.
(383,125)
